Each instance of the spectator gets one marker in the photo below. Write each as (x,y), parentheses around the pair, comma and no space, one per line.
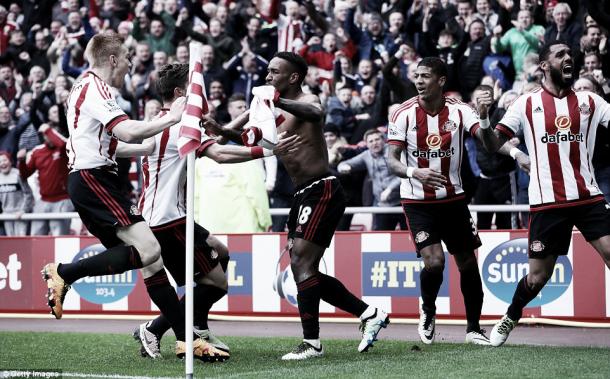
(471,63)
(6,27)
(400,89)
(486,14)
(521,40)
(9,89)
(340,112)
(386,186)
(211,71)
(15,196)
(9,132)
(322,53)
(18,51)
(218,99)
(160,32)
(261,42)
(370,113)
(371,42)
(564,28)
(246,71)
(51,162)
(366,76)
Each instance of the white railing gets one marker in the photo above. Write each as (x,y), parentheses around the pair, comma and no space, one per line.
(278,212)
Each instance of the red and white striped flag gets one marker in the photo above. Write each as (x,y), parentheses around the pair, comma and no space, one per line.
(189,138)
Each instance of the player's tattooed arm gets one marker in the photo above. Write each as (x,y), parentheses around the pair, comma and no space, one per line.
(307,108)
(491,139)
(231,131)
(427,176)
(128,150)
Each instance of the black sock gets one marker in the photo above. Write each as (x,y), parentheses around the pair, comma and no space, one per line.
(523,295)
(334,293)
(159,326)
(224,263)
(472,290)
(308,297)
(115,260)
(430,282)
(205,296)
(164,296)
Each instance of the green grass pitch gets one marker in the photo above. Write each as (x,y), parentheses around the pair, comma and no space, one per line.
(116,354)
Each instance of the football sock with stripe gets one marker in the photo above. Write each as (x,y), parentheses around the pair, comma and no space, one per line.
(523,295)
(204,297)
(115,260)
(308,297)
(334,293)
(164,296)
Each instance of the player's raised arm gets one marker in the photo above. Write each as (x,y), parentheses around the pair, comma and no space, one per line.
(135,131)
(236,154)
(231,131)
(491,139)
(307,108)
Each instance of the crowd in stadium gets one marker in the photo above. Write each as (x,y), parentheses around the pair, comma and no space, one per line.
(362,56)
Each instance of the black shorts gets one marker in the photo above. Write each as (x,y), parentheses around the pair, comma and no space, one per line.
(317,207)
(550,230)
(172,238)
(449,222)
(100,204)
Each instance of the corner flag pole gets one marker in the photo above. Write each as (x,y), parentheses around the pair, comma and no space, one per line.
(190,213)
(188,141)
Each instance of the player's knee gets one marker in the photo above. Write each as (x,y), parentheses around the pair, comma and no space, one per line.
(150,251)
(222,283)
(435,263)
(535,281)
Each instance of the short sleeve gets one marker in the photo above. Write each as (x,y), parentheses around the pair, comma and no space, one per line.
(470,118)
(511,122)
(100,104)
(602,108)
(206,141)
(397,128)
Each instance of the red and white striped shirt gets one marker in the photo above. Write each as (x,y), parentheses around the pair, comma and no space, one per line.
(559,133)
(163,197)
(92,114)
(432,141)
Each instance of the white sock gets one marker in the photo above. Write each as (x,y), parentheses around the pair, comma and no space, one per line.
(314,343)
(368,312)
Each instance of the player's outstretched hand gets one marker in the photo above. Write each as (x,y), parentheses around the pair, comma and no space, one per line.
(430,177)
(287,145)
(211,126)
(523,160)
(175,111)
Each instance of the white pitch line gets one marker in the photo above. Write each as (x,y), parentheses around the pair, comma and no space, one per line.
(42,374)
